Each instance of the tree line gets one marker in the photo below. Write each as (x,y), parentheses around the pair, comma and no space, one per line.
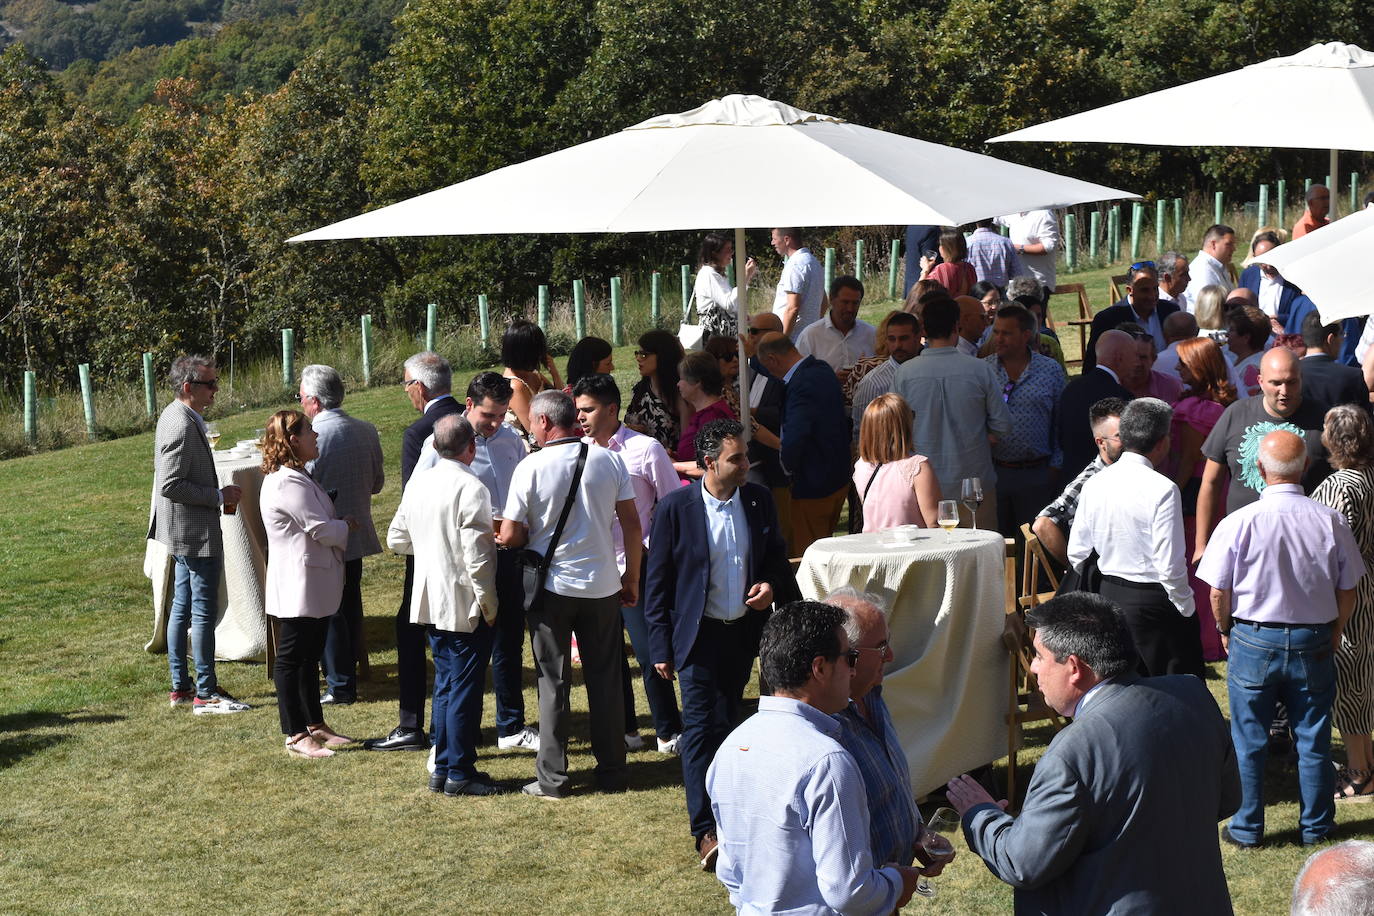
(161,225)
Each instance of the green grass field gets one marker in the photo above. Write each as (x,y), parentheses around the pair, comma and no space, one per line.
(114,803)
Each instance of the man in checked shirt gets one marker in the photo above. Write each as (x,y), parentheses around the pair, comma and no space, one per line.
(1052,525)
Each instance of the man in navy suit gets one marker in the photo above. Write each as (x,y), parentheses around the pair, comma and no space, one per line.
(717,562)
(428,382)
(1323,378)
(1116,350)
(1141,304)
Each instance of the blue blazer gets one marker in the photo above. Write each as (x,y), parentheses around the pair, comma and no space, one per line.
(1250,279)
(675,588)
(815,431)
(1351,329)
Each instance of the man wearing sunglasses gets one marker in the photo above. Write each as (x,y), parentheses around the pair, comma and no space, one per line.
(185,519)
(788,798)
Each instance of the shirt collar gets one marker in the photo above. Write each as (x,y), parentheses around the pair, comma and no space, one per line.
(1083,700)
(1135,458)
(1219,266)
(822,722)
(1281,489)
(433,401)
(790,372)
(1116,378)
(719,505)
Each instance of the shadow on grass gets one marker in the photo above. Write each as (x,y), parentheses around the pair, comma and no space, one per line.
(20,735)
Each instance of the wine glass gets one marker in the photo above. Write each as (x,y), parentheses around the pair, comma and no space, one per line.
(937,839)
(212,433)
(948,517)
(972,496)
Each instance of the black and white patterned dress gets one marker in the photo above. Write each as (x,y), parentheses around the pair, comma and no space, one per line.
(1351,493)
(650,415)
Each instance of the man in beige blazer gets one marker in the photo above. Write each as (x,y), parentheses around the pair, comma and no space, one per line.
(445,522)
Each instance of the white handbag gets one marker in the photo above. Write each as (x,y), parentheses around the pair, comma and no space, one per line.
(692,336)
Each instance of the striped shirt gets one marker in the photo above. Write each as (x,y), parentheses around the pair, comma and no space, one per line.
(1063,509)
(994,257)
(893,821)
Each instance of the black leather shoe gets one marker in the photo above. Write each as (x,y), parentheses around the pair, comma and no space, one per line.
(332,699)
(453,788)
(400,739)
(436,783)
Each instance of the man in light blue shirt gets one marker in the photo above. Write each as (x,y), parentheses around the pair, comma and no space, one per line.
(788,799)
(800,299)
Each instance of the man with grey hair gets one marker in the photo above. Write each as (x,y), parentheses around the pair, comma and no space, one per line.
(1121,814)
(1174,277)
(444,525)
(1338,881)
(427,382)
(1283,572)
(1211,266)
(1315,216)
(571,491)
(1132,516)
(866,731)
(350,468)
(185,519)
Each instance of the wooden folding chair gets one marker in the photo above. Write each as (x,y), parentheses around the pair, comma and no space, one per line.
(1084,320)
(1117,290)
(1036,563)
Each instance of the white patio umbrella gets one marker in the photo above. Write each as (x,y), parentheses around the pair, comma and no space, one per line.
(740,161)
(1320,98)
(1332,265)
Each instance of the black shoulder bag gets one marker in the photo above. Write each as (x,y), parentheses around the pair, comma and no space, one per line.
(534,566)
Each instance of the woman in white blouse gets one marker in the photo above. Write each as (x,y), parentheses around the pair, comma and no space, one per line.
(305,578)
(716,302)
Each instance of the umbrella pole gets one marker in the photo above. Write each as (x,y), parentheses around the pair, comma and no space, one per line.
(1335,182)
(742,319)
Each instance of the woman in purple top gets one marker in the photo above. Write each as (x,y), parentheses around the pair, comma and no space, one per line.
(700,385)
(1206,397)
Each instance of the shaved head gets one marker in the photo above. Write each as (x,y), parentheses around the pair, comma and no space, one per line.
(972,318)
(1241,295)
(1179,326)
(1116,351)
(766,321)
(1282,457)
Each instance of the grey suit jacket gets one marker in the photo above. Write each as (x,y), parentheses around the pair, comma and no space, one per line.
(1121,815)
(186,500)
(350,462)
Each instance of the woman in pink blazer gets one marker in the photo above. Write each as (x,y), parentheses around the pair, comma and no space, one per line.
(305,577)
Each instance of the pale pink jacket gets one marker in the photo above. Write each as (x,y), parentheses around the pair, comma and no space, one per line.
(305,572)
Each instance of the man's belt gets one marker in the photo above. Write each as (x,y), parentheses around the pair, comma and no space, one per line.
(1275,625)
(1023,465)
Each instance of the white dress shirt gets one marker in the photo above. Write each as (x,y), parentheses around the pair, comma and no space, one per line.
(1031,227)
(1132,515)
(1270,292)
(727,554)
(826,342)
(1205,270)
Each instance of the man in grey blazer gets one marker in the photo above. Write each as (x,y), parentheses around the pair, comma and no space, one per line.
(1121,815)
(350,469)
(186,501)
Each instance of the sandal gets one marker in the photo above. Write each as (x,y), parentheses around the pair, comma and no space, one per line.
(1355,786)
(328,737)
(306,746)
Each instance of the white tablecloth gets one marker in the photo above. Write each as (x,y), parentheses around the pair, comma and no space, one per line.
(947,685)
(241,631)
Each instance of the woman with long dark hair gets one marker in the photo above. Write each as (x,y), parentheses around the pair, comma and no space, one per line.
(655,407)
(716,301)
(589,356)
(524,352)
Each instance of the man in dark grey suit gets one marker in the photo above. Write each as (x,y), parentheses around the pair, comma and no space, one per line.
(350,469)
(185,519)
(1121,815)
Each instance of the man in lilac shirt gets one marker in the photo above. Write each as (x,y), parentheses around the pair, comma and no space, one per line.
(652,477)
(1283,572)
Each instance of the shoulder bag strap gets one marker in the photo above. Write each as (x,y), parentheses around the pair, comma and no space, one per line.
(868,486)
(563,517)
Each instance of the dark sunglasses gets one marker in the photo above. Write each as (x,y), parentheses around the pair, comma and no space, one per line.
(212,384)
(852,656)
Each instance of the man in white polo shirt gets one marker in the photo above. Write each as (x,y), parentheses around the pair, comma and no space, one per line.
(583,589)
(840,338)
(800,298)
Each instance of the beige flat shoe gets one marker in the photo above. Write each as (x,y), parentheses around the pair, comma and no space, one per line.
(306,746)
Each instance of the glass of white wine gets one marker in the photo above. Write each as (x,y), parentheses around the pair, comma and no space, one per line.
(948,517)
(937,840)
(212,433)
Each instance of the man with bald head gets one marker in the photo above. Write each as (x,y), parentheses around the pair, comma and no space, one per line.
(1315,216)
(973,322)
(1233,445)
(1116,352)
(1337,881)
(1283,572)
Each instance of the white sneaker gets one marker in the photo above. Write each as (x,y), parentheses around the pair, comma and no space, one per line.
(527,737)
(429,764)
(669,746)
(633,742)
(218,703)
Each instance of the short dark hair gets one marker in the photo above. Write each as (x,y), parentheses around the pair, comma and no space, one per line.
(586,354)
(1088,626)
(491,386)
(1314,333)
(1144,423)
(792,232)
(983,287)
(600,386)
(452,435)
(1268,235)
(904,319)
(1248,322)
(1107,407)
(524,346)
(701,367)
(846,282)
(710,439)
(941,317)
(1020,313)
(1216,232)
(794,636)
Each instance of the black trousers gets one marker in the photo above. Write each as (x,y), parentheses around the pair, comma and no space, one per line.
(296,672)
(1167,642)
(411,672)
(345,635)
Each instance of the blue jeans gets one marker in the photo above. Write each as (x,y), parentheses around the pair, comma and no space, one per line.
(195,605)
(1269,664)
(662,697)
(460,671)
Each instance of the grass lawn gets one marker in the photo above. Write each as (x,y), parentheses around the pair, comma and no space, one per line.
(114,803)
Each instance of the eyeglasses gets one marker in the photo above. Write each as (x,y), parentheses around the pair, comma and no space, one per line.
(410,381)
(880,648)
(642,354)
(852,656)
(1007,389)
(212,384)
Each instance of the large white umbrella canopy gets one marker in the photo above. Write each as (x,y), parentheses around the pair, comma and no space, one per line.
(741,161)
(1332,265)
(1321,98)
